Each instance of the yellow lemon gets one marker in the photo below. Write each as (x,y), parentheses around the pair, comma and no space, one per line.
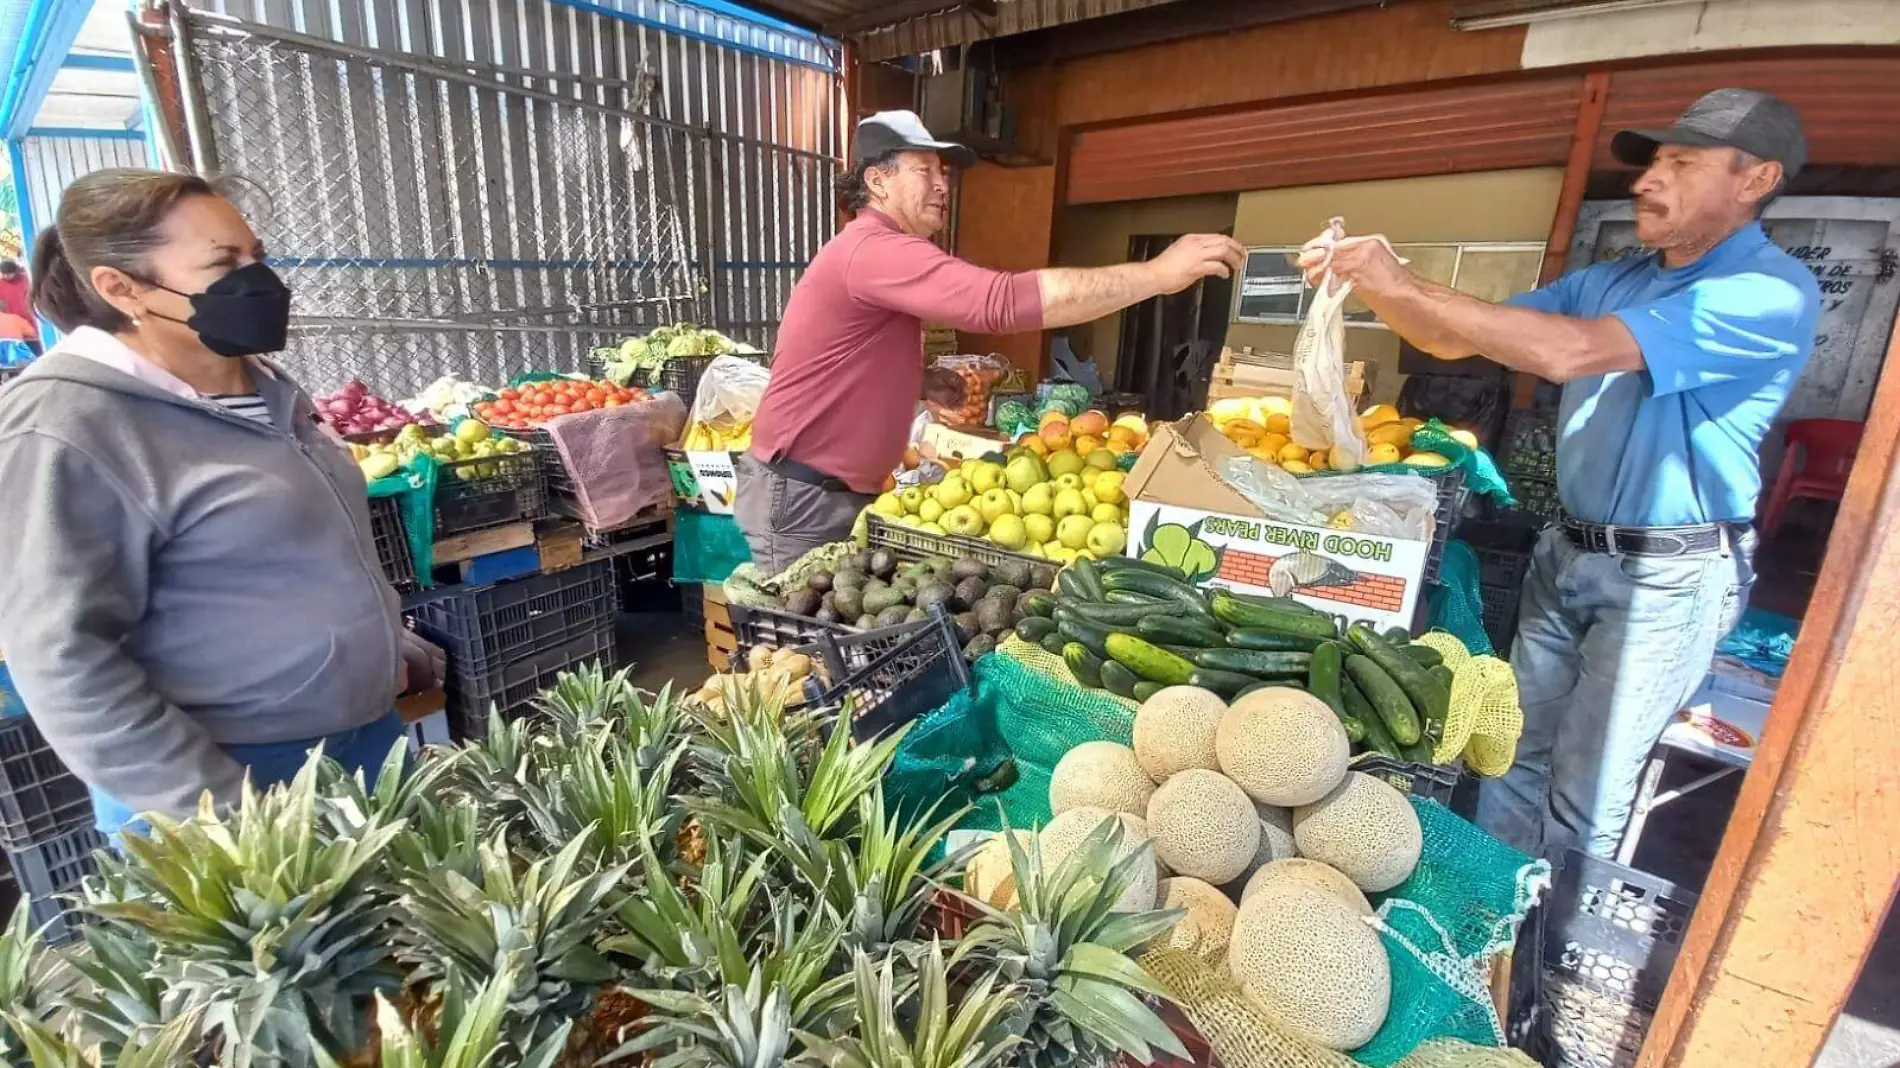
(1465,438)
(1382,454)
(1290,453)
(1427,459)
(1379,415)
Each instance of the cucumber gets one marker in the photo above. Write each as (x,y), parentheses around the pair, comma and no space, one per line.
(1249,662)
(1087,577)
(1269,641)
(1131,597)
(1117,679)
(1165,627)
(1255,686)
(1424,654)
(1434,723)
(1068,585)
(1145,690)
(1130,563)
(1322,681)
(1149,661)
(1301,624)
(1386,697)
(1130,580)
(1360,710)
(1286,604)
(1040,603)
(1419,752)
(1398,636)
(1053,643)
(1427,695)
(1228,684)
(1111,615)
(1034,628)
(1084,665)
(1442,674)
(1089,634)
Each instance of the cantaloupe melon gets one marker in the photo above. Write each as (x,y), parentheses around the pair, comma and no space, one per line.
(1174,731)
(1276,843)
(1065,833)
(1203,825)
(1210,916)
(1311,873)
(1102,775)
(1285,747)
(1364,828)
(989,876)
(1312,963)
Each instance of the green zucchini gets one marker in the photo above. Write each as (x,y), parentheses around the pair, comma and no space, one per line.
(1131,597)
(1117,679)
(1131,580)
(1386,697)
(1112,615)
(1322,681)
(1053,643)
(1131,563)
(1089,634)
(1269,641)
(1148,660)
(1360,709)
(1427,695)
(1424,654)
(1258,664)
(1084,665)
(1301,624)
(1165,627)
(1039,603)
(1145,690)
(1034,628)
(1087,577)
(1228,684)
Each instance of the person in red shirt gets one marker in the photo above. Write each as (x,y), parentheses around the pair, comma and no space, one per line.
(849,366)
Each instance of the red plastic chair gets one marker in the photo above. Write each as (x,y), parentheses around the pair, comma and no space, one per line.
(1816,455)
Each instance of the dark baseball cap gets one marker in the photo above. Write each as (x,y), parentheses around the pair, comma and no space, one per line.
(1761,125)
(898,131)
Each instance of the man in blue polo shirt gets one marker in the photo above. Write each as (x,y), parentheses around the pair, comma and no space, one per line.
(1674,365)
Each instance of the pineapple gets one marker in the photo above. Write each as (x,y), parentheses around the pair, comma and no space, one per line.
(45,1048)
(1080,1001)
(24,981)
(882,884)
(467,1033)
(265,922)
(118,1005)
(594,788)
(972,1037)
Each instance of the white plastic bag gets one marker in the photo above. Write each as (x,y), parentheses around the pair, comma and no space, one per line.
(1323,417)
(730,389)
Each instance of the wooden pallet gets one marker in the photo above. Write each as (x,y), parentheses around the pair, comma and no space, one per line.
(1246,373)
(458,547)
(722,643)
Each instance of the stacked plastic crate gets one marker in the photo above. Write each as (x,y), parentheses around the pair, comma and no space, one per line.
(507,642)
(46,826)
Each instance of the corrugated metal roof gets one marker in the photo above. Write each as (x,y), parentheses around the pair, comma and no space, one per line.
(1398,135)
(887,29)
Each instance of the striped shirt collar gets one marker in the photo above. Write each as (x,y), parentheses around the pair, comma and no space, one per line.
(100,347)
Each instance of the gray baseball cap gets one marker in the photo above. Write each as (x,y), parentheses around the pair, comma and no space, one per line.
(896,131)
(1761,125)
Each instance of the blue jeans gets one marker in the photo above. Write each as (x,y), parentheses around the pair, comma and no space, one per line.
(1608,649)
(364,748)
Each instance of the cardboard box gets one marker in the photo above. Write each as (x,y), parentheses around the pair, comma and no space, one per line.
(704,481)
(1361,577)
(944,443)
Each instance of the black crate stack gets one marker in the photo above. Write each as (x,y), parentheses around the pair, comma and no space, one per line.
(46,828)
(507,642)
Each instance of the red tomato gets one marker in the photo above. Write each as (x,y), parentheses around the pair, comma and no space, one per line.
(509,393)
(615,402)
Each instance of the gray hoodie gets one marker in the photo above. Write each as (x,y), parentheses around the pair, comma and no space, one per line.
(176,577)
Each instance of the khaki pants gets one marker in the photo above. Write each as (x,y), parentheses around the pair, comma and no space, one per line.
(784,518)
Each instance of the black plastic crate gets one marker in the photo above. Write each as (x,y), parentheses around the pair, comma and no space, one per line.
(776,627)
(901,677)
(909,543)
(54,868)
(484,628)
(509,689)
(488,491)
(39,798)
(1503,549)
(1446,515)
(1536,497)
(1610,937)
(392,544)
(1436,782)
(1530,445)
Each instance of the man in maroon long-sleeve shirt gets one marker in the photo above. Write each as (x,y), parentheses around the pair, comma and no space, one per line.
(849,369)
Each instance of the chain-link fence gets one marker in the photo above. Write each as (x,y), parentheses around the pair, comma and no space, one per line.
(433,220)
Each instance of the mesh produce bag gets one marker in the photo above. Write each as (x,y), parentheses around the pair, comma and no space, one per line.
(1485,720)
(1457,600)
(1481,472)
(616,457)
(414,490)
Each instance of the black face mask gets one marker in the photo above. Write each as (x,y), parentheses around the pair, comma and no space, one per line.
(245,313)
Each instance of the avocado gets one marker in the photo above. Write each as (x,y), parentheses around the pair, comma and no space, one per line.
(820,580)
(1042,577)
(916,615)
(883,563)
(893,615)
(866,621)
(970,591)
(917,571)
(906,586)
(993,616)
(967,627)
(939,565)
(848,601)
(878,601)
(848,577)
(827,614)
(1012,573)
(978,647)
(934,593)
(969,567)
(1005,593)
(802,603)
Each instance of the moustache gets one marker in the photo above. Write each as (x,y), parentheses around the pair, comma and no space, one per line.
(1650,205)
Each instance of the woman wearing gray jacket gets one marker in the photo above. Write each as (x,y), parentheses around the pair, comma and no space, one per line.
(189,591)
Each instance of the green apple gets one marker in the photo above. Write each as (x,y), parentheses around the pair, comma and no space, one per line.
(1034,549)
(930,511)
(913,499)
(1106,513)
(1042,529)
(931,528)
(963,520)
(1024,471)
(1068,503)
(1073,531)
(984,476)
(1039,499)
(1107,539)
(994,504)
(1009,531)
(1069,481)
(1015,502)
(1089,499)
(889,504)
(952,492)
(909,520)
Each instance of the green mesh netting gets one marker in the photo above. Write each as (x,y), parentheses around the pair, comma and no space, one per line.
(414,490)
(1481,472)
(706,547)
(1456,602)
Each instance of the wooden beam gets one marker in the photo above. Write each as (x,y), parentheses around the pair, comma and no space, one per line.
(1563,225)
(1808,866)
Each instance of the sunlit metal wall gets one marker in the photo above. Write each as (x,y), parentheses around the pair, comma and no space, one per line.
(50,160)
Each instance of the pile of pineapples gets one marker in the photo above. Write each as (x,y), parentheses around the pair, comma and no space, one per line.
(625,879)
